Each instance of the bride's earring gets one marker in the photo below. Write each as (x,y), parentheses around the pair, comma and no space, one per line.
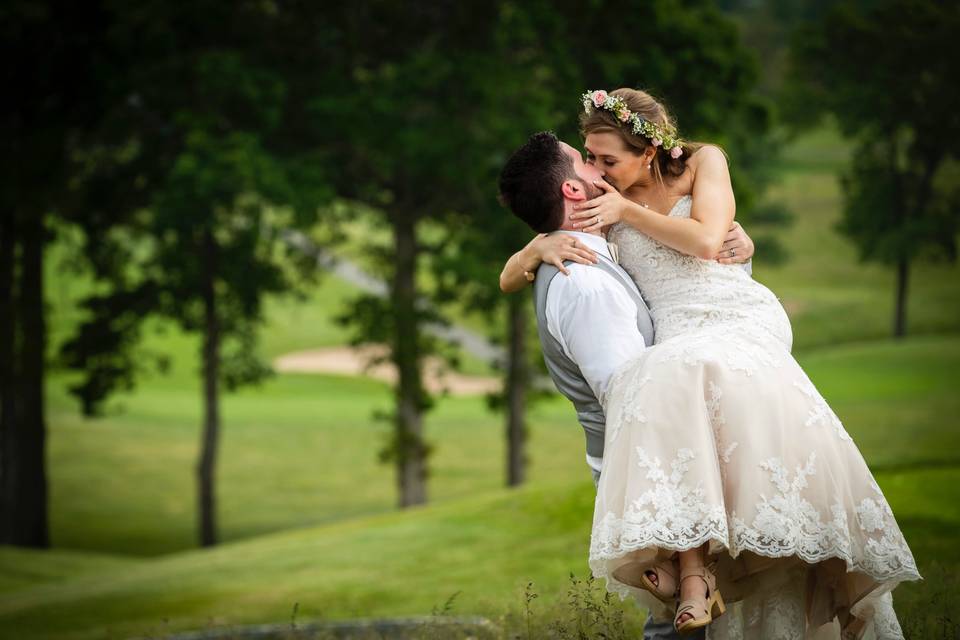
(648,165)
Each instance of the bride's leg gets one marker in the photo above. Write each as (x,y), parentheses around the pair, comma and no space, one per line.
(692,587)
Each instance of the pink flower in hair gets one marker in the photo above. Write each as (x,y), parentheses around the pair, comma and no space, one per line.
(676,152)
(656,142)
(599,97)
(624,115)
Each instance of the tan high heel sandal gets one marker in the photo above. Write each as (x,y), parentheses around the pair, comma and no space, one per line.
(667,584)
(702,612)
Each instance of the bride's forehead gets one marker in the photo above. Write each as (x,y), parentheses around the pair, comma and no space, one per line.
(603,143)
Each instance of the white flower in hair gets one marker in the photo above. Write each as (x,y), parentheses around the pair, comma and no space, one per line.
(659,135)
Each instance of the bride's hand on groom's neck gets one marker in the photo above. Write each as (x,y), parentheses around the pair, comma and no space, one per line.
(604,210)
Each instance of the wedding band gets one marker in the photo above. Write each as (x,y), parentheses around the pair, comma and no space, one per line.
(599,219)
(733,252)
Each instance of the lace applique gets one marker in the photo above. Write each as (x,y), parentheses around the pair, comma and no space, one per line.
(821,413)
(717,318)
(785,520)
(788,523)
(687,294)
(705,346)
(886,551)
(630,407)
(778,614)
(669,514)
(885,623)
(718,420)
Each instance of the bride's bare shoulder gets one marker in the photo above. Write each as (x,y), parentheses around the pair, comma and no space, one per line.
(708,153)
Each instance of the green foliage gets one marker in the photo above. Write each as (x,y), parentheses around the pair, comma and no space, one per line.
(889,212)
(885,73)
(531,78)
(191,164)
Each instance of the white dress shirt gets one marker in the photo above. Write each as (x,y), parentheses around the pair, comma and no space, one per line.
(594,319)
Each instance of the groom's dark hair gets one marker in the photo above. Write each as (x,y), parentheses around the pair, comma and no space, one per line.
(531,180)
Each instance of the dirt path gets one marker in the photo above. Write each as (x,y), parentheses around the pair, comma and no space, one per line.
(469,340)
(353,362)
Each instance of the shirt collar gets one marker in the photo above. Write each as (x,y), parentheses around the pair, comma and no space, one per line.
(592,240)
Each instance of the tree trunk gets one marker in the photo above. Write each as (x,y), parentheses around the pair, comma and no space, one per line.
(25,479)
(517,379)
(206,467)
(410,450)
(8,377)
(900,303)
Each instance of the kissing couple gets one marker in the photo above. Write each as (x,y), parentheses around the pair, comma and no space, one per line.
(731,502)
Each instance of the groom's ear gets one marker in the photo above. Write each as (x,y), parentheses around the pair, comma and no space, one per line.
(573,190)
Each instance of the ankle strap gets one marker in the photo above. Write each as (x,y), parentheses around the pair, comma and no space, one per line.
(686,572)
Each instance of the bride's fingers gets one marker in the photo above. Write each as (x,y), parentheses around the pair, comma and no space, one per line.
(583,206)
(729,252)
(576,258)
(590,255)
(593,221)
(583,256)
(558,263)
(606,186)
(724,257)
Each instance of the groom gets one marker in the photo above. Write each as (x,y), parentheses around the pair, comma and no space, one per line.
(594,319)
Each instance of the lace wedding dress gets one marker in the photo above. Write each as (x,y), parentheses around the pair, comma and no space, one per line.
(715,434)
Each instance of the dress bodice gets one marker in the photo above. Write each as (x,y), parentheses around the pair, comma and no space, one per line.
(687,293)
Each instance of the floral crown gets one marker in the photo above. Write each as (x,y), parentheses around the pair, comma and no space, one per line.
(659,135)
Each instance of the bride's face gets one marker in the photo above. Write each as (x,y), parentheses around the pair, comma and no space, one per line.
(620,166)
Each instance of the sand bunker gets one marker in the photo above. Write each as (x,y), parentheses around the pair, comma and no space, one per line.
(350,361)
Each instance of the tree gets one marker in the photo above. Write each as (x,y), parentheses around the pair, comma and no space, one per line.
(396,126)
(887,75)
(201,124)
(534,75)
(50,58)
(516,80)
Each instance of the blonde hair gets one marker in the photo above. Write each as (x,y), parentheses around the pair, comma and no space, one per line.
(648,108)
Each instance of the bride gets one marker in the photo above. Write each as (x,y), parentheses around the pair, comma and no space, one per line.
(726,477)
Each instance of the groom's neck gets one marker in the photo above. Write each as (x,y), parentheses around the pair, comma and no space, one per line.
(568,223)
(565,227)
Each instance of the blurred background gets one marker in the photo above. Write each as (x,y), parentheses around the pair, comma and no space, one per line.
(256,367)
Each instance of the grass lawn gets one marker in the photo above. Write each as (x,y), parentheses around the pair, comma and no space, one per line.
(896,399)
(301,450)
(307,514)
(830,295)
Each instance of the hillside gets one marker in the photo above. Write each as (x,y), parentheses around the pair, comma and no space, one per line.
(897,401)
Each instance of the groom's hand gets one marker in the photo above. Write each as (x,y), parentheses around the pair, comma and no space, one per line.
(737,247)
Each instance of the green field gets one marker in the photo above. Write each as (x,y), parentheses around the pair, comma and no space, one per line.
(896,400)
(307,514)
